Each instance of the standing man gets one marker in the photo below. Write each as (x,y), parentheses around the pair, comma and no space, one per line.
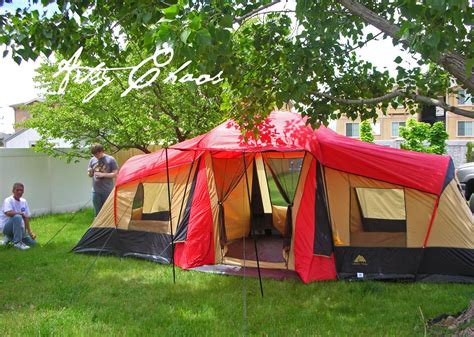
(15,220)
(103,169)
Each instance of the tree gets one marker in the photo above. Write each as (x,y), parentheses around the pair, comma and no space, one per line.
(310,60)
(469,154)
(366,132)
(423,137)
(160,114)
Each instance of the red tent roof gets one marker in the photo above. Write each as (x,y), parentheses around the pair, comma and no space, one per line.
(281,131)
(286,131)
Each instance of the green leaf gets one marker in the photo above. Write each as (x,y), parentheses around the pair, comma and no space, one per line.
(185,34)
(398,60)
(434,39)
(171,11)
(146,17)
(226,21)
(47,33)
(164,33)
(204,37)
(195,23)
(148,38)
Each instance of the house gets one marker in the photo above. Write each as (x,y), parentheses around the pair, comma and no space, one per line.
(386,130)
(21,112)
(25,138)
(2,138)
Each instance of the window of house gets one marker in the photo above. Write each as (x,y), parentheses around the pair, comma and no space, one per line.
(352,130)
(396,128)
(464,98)
(465,128)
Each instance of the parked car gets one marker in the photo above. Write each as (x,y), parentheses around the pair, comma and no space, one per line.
(465,175)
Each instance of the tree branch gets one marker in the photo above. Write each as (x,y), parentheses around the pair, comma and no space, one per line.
(370,101)
(366,41)
(157,91)
(398,93)
(255,11)
(441,104)
(455,64)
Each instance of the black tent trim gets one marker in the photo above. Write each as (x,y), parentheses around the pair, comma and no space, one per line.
(404,263)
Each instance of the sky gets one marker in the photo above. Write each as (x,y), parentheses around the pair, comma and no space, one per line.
(16,81)
(17,85)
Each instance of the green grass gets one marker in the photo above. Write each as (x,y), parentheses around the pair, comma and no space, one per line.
(48,291)
(289,181)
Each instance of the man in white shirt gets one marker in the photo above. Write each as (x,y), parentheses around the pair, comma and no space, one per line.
(15,220)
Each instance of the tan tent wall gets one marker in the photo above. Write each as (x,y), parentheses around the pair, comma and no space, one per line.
(355,213)
(453,225)
(342,198)
(211,186)
(252,263)
(237,208)
(124,199)
(420,207)
(126,193)
(262,181)
(338,193)
(279,218)
(105,218)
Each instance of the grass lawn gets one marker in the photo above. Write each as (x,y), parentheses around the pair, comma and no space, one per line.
(48,291)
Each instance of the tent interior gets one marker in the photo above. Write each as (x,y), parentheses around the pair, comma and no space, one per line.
(255,195)
(268,184)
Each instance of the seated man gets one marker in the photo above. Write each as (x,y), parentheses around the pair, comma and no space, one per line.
(14,218)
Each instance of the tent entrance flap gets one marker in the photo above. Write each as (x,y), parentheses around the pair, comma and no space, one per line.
(274,178)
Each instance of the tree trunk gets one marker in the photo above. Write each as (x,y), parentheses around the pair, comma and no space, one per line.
(453,63)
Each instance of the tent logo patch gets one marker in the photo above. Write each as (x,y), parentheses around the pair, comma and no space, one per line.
(359,261)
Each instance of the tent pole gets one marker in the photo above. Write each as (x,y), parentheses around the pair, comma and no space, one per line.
(171,218)
(251,225)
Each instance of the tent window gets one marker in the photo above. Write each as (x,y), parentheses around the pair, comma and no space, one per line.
(137,204)
(151,202)
(378,217)
(383,210)
(283,175)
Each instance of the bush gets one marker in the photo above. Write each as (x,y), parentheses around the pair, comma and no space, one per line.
(469,154)
(422,137)
(366,132)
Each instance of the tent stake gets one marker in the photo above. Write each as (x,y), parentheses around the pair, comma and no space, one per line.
(251,225)
(171,218)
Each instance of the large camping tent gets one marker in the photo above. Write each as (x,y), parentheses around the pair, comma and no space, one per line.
(321,204)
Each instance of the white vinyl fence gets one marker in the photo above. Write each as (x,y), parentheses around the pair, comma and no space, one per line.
(51,184)
(455,148)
